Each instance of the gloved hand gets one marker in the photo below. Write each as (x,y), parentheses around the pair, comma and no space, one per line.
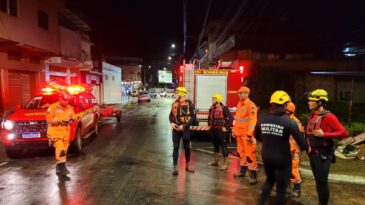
(249,138)
(174,126)
(318,133)
(65,123)
(51,141)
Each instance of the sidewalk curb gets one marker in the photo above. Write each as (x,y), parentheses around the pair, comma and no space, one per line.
(308,172)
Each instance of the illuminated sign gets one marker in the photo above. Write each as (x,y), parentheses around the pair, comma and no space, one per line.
(164,76)
(212,72)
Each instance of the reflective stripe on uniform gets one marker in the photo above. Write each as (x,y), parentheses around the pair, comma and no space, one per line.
(296,156)
(242,120)
(199,128)
(243,163)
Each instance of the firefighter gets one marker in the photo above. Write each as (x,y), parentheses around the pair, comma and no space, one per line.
(218,119)
(274,130)
(181,117)
(243,130)
(295,152)
(322,127)
(59,116)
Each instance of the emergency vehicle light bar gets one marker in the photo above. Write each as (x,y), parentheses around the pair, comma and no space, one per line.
(75,89)
(48,91)
(53,87)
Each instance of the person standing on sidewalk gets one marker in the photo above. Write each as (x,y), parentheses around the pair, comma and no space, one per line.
(274,130)
(243,131)
(181,117)
(218,119)
(322,127)
(295,152)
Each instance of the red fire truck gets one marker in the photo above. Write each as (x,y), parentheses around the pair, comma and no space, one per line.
(27,126)
(203,83)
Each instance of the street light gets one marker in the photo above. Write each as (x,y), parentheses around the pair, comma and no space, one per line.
(169,57)
(173,45)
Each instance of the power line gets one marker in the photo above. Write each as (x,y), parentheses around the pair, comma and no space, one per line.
(235,18)
(203,27)
(184,27)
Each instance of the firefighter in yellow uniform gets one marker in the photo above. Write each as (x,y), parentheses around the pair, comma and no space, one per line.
(243,131)
(295,151)
(181,117)
(59,116)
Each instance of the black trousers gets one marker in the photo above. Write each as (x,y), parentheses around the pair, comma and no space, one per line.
(321,168)
(176,138)
(279,175)
(219,140)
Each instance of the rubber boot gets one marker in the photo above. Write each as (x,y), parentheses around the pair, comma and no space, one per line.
(188,168)
(242,172)
(63,169)
(225,164)
(214,162)
(296,190)
(175,170)
(66,171)
(58,168)
(253,177)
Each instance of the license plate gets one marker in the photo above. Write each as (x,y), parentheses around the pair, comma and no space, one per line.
(27,135)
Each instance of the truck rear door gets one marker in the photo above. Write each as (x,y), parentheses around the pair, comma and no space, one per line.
(206,86)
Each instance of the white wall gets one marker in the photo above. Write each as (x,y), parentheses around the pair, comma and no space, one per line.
(112,85)
(70,43)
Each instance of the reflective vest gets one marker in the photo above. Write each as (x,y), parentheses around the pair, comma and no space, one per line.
(216,116)
(314,123)
(181,111)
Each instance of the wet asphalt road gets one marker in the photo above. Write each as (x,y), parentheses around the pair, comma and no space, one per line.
(131,162)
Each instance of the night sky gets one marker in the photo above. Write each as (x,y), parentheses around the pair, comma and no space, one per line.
(146,28)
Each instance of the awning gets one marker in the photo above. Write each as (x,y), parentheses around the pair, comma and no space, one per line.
(69,63)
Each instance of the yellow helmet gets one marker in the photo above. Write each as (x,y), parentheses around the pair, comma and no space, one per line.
(181,91)
(279,97)
(318,94)
(218,97)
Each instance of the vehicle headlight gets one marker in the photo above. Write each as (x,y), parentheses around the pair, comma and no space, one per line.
(11,136)
(9,125)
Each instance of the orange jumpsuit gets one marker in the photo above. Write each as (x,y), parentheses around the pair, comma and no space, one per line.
(295,150)
(245,122)
(59,134)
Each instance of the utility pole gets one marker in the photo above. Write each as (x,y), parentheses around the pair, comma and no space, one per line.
(184,28)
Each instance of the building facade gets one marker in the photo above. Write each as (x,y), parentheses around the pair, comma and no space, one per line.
(39,41)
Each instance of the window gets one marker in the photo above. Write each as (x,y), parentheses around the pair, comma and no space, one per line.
(112,77)
(4,6)
(13,7)
(106,77)
(42,19)
(9,6)
(85,103)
